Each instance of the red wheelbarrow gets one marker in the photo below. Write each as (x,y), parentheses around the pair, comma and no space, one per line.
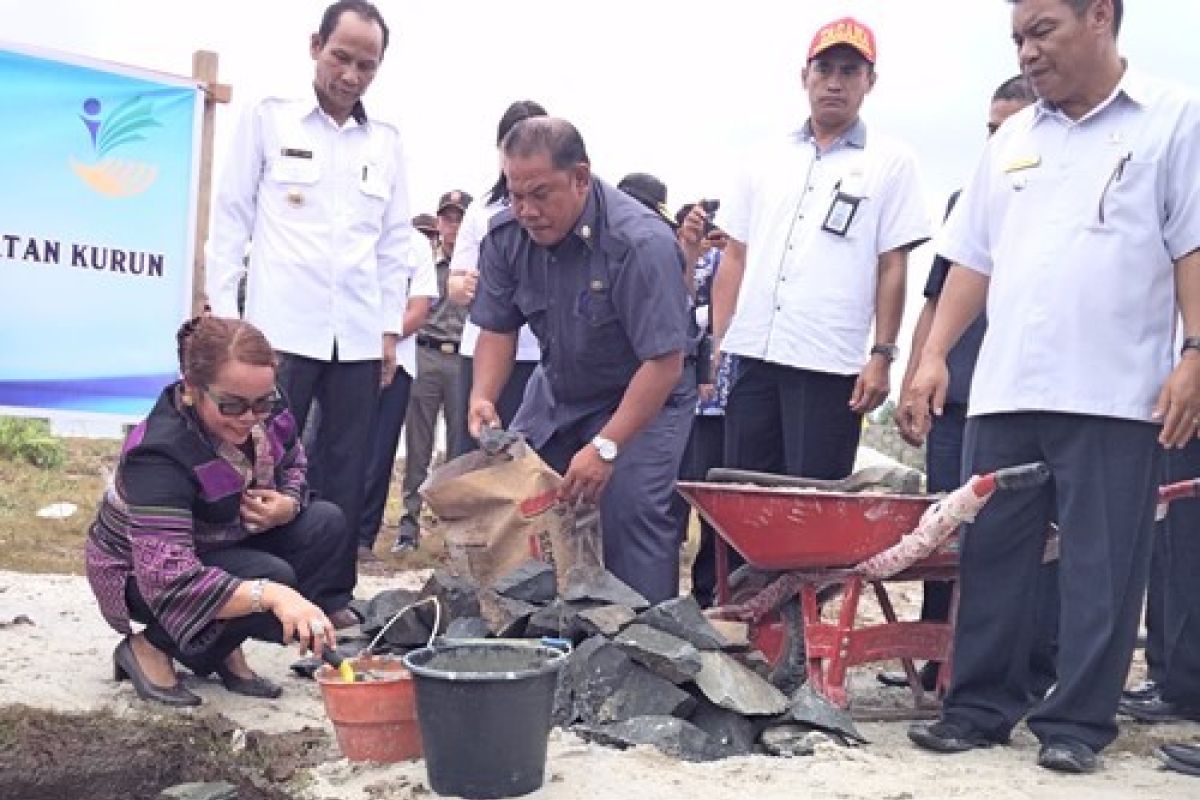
(803,546)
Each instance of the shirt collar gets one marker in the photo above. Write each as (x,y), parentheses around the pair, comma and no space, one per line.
(855,137)
(358,113)
(1133,86)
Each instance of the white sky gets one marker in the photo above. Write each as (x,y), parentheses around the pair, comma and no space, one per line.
(677,89)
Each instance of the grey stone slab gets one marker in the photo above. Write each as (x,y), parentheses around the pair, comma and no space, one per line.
(731,730)
(606,588)
(663,654)
(200,791)
(642,693)
(530,582)
(504,615)
(731,685)
(811,710)
(605,620)
(468,628)
(789,741)
(676,737)
(546,621)
(682,617)
(379,609)
(592,673)
(457,595)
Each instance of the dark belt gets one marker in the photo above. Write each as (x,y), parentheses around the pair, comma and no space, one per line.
(447,346)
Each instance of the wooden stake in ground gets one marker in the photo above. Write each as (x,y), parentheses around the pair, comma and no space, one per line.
(204,70)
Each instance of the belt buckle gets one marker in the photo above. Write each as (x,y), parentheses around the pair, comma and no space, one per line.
(446,347)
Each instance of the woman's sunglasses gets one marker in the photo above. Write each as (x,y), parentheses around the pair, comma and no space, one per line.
(237,406)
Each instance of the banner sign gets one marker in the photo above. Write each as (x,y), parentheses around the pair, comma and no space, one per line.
(97,224)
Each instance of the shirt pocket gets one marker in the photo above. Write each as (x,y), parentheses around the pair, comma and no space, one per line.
(293,185)
(1127,200)
(373,184)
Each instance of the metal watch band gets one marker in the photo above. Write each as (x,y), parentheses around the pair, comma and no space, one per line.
(1189,343)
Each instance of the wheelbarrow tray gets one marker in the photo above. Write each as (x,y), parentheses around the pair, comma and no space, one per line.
(790,528)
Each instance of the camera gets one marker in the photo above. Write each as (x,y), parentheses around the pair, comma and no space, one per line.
(710,210)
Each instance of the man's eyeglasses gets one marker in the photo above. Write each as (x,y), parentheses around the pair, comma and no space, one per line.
(237,406)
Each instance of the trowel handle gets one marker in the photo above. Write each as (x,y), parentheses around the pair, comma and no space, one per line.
(1023,476)
(332,657)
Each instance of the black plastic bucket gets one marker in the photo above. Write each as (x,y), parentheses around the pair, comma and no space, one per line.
(484,706)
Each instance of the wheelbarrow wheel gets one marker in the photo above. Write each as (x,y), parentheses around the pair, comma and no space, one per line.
(778,634)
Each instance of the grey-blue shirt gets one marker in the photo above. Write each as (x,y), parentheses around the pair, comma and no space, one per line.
(607,298)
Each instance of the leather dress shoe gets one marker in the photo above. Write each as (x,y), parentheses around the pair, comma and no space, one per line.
(1067,755)
(1183,758)
(256,686)
(1155,709)
(1143,690)
(945,736)
(125,665)
(899,679)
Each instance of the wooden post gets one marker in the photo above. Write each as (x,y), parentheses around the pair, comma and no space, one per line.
(204,70)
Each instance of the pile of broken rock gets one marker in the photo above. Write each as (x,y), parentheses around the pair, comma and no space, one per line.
(638,675)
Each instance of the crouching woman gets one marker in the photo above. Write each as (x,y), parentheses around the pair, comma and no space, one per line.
(206,535)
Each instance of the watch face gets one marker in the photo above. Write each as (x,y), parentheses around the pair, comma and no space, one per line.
(606,448)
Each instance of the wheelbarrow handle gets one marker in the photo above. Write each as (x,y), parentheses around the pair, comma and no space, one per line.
(1022,476)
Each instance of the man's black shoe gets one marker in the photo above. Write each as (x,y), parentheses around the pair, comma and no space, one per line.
(1141,691)
(898,679)
(1067,755)
(949,737)
(1183,758)
(1155,709)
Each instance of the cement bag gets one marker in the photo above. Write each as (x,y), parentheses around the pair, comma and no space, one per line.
(498,510)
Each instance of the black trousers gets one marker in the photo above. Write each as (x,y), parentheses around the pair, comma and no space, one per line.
(1180,533)
(385,441)
(705,450)
(506,404)
(641,540)
(947,450)
(1156,601)
(791,421)
(1105,473)
(295,555)
(346,393)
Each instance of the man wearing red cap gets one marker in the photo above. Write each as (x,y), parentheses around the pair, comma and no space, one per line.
(820,227)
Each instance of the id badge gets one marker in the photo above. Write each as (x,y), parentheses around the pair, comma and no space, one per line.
(841,213)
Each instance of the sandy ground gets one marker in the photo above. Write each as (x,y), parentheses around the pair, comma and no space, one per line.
(67,651)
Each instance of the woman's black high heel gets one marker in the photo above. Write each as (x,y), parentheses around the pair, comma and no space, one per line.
(125,665)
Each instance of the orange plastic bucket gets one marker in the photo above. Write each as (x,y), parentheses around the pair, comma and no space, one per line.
(375,718)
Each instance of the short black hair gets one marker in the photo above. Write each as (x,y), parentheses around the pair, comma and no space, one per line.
(364,9)
(1080,6)
(1015,88)
(550,135)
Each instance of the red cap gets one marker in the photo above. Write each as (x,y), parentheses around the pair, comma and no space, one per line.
(845,31)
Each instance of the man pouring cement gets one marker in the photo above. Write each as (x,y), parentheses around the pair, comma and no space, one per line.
(588,268)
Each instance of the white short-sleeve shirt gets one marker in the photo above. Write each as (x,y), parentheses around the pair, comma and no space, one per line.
(324,211)
(423,284)
(466,259)
(807,297)
(1078,224)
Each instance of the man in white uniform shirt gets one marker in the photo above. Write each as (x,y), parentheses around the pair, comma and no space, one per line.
(318,191)
(1080,231)
(820,228)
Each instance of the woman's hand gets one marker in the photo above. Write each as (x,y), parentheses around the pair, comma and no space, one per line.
(301,620)
(263,509)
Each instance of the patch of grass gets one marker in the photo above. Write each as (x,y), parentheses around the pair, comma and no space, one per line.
(29,543)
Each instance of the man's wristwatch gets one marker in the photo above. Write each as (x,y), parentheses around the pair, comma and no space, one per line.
(607,449)
(1190,343)
(888,351)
